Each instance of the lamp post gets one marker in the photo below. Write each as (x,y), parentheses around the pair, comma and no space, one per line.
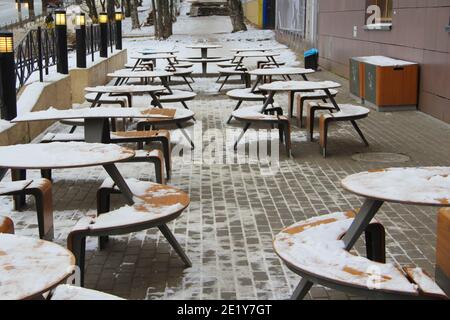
(8,100)
(61,42)
(103,20)
(80,34)
(118,17)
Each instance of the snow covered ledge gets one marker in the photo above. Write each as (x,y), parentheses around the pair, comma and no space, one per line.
(95,73)
(55,91)
(58,91)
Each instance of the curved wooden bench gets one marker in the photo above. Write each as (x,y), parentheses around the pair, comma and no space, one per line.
(442,273)
(304,96)
(272,116)
(6,225)
(242,95)
(314,250)
(228,72)
(41,190)
(73,293)
(155,205)
(138,137)
(348,112)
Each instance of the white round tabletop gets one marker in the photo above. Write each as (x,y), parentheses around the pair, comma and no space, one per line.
(256,54)
(125,73)
(157,51)
(90,113)
(256,49)
(30,267)
(299,85)
(125,89)
(155,56)
(418,186)
(60,155)
(204,46)
(280,71)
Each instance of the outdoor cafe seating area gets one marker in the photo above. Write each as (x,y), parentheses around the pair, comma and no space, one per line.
(111,128)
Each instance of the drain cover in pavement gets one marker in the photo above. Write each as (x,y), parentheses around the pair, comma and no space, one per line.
(382,157)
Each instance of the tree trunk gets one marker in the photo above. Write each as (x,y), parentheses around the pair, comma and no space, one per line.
(237,15)
(134,15)
(164,20)
(127,4)
(110,9)
(93,14)
(44,7)
(31,13)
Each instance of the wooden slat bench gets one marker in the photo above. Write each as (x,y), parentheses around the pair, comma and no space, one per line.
(6,225)
(41,190)
(314,250)
(443,250)
(314,95)
(155,205)
(160,160)
(347,112)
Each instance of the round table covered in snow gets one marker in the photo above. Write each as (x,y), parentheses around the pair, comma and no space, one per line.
(30,267)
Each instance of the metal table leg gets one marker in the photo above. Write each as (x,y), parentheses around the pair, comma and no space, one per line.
(362,220)
(120,182)
(185,135)
(175,244)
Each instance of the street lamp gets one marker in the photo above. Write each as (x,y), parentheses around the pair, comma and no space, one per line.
(62,65)
(118,16)
(80,35)
(103,20)
(8,100)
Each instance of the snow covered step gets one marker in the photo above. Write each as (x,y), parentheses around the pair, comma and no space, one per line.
(68,292)
(245,94)
(313,249)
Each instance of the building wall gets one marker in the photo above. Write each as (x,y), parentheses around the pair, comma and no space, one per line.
(418,34)
(253,10)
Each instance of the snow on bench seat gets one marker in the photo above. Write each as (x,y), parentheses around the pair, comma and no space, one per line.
(232,70)
(245,94)
(254,113)
(12,186)
(152,202)
(313,247)
(346,110)
(68,292)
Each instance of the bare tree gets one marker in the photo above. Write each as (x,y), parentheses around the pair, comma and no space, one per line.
(237,15)
(163,24)
(127,5)
(44,7)
(31,13)
(134,15)
(92,7)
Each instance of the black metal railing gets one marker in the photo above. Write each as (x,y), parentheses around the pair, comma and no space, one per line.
(36,52)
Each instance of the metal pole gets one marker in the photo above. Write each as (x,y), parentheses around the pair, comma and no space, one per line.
(80,35)
(62,65)
(92,42)
(103,18)
(119,32)
(8,100)
(40,57)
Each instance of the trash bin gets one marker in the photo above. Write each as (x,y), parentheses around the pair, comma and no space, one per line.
(312,59)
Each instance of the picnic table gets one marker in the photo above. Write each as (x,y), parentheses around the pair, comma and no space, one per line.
(293,87)
(204,59)
(141,58)
(257,49)
(284,72)
(31,267)
(65,155)
(421,186)
(270,56)
(125,90)
(157,51)
(122,76)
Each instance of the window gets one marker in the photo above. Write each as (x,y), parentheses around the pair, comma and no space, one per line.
(378,14)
